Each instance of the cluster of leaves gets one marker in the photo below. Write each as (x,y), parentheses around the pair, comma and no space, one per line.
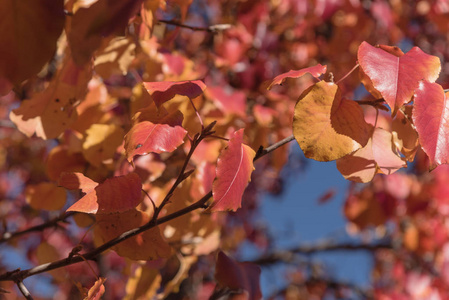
(151,123)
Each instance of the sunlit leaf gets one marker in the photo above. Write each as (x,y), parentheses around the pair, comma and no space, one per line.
(315,71)
(146,137)
(234,168)
(101,143)
(117,194)
(396,76)
(97,290)
(431,118)
(326,126)
(163,91)
(77,181)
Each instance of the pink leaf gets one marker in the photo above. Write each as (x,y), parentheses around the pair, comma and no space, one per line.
(166,90)
(397,76)
(234,168)
(431,118)
(315,71)
(116,194)
(146,137)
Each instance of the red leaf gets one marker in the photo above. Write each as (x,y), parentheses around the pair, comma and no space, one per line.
(75,181)
(166,90)
(396,78)
(116,194)
(228,101)
(234,168)
(431,118)
(315,71)
(146,137)
(238,275)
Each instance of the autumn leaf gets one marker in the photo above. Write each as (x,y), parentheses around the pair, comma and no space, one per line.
(315,71)
(117,194)
(430,116)
(146,137)
(326,126)
(227,100)
(396,76)
(89,25)
(163,91)
(45,195)
(148,245)
(77,181)
(238,276)
(115,57)
(50,112)
(376,157)
(101,142)
(234,168)
(29,31)
(61,159)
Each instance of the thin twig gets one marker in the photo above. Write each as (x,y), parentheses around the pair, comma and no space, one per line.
(24,290)
(19,275)
(349,73)
(51,223)
(212,28)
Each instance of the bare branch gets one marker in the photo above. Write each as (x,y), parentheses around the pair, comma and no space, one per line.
(24,290)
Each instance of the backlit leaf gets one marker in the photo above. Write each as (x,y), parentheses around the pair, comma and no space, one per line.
(101,143)
(234,168)
(117,194)
(166,90)
(228,100)
(45,195)
(315,71)
(146,137)
(397,76)
(97,290)
(77,181)
(29,31)
(376,157)
(326,126)
(148,245)
(431,119)
(238,275)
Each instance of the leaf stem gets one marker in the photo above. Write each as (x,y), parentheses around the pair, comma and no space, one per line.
(349,73)
(212,28)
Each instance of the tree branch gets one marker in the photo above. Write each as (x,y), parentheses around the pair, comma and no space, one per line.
(18,275)
(290,255)
(6,236)
(212,28)
(24,290)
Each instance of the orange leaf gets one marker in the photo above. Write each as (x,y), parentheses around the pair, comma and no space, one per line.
(148,245)
(396,78)
(101,143)
(75,181)
(430,116)
(166,90)
(234,168)
(146,137)
(116,194)
(326,126)
(45,195)
(29,31)
(50,112)
(315,71)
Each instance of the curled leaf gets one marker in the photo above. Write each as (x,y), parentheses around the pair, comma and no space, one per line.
(166,90)
(315,71)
